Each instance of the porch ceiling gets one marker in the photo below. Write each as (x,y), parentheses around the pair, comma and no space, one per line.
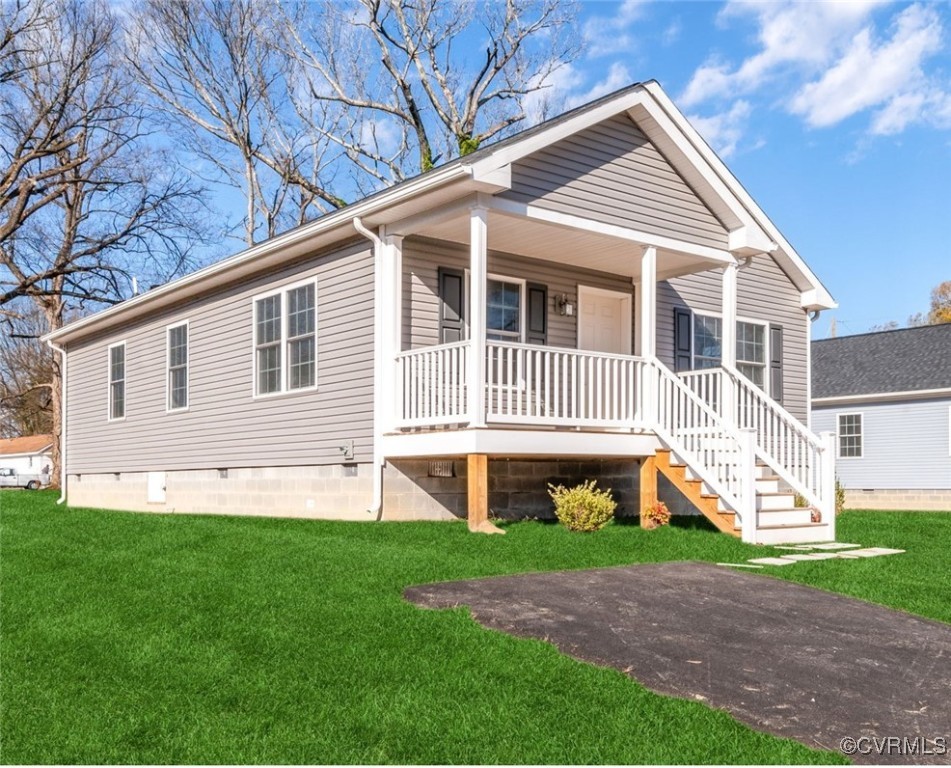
(530,237)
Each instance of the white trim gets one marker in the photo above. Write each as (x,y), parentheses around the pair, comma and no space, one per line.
(285,367)
(627,331)
(520,282)
(949,430)
(525,210)
(125,381)
(873,397)
(838,435)
(188,367)
(519,442)
(40,452)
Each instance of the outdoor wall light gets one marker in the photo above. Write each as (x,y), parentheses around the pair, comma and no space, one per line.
(564,306)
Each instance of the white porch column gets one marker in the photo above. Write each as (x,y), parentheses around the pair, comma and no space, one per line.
(728,343)
(648,297)
(391,340)
(478,258)
(648,335)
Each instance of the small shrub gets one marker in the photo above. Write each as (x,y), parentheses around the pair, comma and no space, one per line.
(839,496)
(799,501)
(656,514)
(584,507)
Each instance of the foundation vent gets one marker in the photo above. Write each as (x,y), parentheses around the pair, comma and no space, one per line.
(441,469)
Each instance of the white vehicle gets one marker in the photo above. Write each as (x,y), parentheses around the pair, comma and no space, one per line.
(10,478)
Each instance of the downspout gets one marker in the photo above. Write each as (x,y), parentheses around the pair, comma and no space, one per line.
(62,424)
(376,505)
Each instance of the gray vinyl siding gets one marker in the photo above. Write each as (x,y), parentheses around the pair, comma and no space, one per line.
(225,426)
(613,174)
(764,293)
(422,259)
(905,445)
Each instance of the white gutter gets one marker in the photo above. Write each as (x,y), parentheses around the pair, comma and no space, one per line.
(376,505)
(910,394)
(62,422)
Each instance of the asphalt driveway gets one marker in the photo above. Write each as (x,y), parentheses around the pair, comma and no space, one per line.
(784,658)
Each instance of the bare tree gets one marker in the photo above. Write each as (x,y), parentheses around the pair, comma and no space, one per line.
(26,376)
(437,77)
(87,201)
(213,66)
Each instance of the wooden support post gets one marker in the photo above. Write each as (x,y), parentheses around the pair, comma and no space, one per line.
(648,485)
(478,497)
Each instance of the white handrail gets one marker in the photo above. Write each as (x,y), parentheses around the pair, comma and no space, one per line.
(712,448)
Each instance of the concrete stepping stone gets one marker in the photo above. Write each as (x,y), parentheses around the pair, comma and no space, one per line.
(773,561)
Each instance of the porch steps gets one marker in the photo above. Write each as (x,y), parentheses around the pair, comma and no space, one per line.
(708,504)
(778,519)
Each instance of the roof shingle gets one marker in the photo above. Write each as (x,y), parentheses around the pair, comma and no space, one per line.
(29,444)
(904,360)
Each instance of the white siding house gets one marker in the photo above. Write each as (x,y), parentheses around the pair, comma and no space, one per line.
(29,455)
(887,396)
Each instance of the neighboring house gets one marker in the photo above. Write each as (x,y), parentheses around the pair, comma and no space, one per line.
(887,396)
(30,455)
(597,297)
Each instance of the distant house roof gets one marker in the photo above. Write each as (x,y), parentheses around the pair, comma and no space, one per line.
(905,360)
(25,445)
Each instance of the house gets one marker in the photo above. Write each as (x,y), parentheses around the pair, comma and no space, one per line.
(596,296)
(31,455)
(887,396)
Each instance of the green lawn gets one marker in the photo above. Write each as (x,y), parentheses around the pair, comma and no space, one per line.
(138,638)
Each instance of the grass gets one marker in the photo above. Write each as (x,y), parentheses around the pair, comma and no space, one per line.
(138,638)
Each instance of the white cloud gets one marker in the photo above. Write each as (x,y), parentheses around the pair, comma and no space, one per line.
(551,98)
(672,33)
(828,61)
(723,131)
(607,35)
(790,33)
(868,75)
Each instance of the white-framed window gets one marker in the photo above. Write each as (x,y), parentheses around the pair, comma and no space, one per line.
(285,339)
(176,361)
(850,429)
(117,378)
(751,346)
(504,309)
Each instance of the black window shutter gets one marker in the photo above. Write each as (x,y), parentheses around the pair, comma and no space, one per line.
(683,338)
(776,362)
(452,304)
(537,314)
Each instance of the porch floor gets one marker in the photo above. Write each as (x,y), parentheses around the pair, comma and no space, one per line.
(784,658)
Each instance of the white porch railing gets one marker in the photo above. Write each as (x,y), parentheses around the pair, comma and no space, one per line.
(783,443)
(531,384)
(715,451)
(432,385)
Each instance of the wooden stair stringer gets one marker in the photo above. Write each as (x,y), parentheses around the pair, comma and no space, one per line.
(707,504)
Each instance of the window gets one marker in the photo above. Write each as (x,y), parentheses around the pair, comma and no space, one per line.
(751,352)
(285,340)
(503,309)
(850,435)
(117,381)
(750,346)
(177,361)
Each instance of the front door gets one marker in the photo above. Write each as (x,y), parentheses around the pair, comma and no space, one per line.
(604,320)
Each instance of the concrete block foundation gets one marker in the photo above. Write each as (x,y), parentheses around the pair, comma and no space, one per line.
(899,499)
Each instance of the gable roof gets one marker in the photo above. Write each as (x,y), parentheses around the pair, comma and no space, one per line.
(489,169)
(904,360)
(25,445)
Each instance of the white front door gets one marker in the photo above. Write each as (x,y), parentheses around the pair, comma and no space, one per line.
(604,320)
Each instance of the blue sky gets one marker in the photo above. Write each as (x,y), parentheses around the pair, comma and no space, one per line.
(835,116)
